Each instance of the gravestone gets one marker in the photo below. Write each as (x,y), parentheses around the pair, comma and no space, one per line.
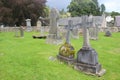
(39,24)
(53,36)
(117,22)
(66,51)
(75,33)
(16,31)
(87,58)
(28,24)
(103,21)
(94,29)
(21,31)
(74,30)
(107,31)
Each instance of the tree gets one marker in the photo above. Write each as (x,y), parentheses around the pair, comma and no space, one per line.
(102,8)
(84,7)
(113,14)
(16,11)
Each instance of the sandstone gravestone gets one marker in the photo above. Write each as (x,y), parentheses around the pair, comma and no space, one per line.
(28,24)
(75,33)
(87,58)
(94,29)
(66,51)
(53,36)
(21,31)
(117,22)
(107,31)
(16,31)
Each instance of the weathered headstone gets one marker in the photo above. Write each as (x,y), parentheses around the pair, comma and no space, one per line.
(53,36)
(28,24)
(103,21)
(16,31)
(107,32)
(94,29)
(21,31)
(87,58)
(75,33)
(117,22)
(66,51)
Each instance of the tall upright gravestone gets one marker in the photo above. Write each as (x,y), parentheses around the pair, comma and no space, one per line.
(28,24)
(87,58)
(53,36)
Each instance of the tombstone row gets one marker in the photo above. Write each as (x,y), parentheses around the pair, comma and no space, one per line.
(87,57)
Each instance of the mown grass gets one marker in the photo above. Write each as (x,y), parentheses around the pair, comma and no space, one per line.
(28,59)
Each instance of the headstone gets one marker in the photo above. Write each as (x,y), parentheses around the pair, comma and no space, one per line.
(75,33)
(53,36)
(107,32)
(94,29)
(16,31)
(87,58)
(21,31)
(1,27)
(66,51)
(117,22)
(104,21)
(28,24)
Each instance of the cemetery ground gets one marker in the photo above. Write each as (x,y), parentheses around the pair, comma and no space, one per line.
(32,59)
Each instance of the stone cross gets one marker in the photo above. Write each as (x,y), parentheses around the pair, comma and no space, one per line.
(85,23)
(70,24)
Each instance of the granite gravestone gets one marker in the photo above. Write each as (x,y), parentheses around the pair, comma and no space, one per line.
(53,36)
(87,58)
(66,51)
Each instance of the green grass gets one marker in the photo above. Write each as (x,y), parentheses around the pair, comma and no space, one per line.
(28,59)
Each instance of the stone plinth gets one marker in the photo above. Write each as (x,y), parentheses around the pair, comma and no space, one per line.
(53,39)
(66,53)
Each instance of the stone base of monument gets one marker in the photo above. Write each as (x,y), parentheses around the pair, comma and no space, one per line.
(66,53)
(90,69)
(68,60)
(87,61)
(53,39)
(93,38)
(39,37)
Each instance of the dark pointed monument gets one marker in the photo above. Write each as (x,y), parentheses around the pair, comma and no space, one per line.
(87,57)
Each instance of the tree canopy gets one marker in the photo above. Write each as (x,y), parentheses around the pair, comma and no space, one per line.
(84,7)
(16,11)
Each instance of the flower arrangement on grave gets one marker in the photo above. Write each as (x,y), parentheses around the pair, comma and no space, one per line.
(67,50)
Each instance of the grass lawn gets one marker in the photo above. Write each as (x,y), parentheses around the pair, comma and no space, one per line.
(28,59)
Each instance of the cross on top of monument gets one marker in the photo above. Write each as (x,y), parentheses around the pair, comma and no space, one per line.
(70,25)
